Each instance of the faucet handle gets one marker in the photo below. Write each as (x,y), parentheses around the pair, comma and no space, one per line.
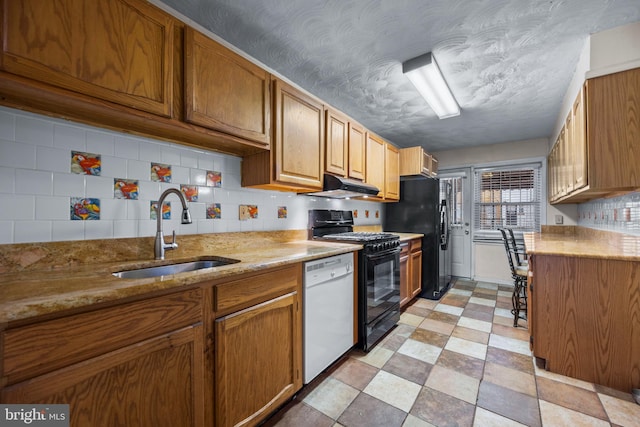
(173,240)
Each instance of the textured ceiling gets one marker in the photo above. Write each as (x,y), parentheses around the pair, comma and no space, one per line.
(508,62)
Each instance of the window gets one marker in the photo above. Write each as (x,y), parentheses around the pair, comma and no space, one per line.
(507,197)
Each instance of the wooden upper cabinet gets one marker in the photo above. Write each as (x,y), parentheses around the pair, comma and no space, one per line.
(597,151)
(391,172)
(613,130)
(116,50)
(375,162)
(296,159)
(357,151)
(224,91)
(299,137)
(337,143)
(579,143)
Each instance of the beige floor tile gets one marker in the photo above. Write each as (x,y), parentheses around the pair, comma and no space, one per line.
(482,301)
(393,390)
(425,303)
(421,351)
(410,319)
(470,334)
(466,347)
(621,412)
(454,384)
(510,378)
(376,357)
(554,415)
(449,309)
(413,421)
(563,379)
(505,294)
(461,292)
(479,325)
(511,344)
(511,332)
(437,326)
(331,397)
(503,312)
(486,418)
(487,285)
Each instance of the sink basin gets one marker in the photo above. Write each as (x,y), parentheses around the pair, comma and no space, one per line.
(175,268)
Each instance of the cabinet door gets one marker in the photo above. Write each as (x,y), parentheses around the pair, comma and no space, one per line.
(298,152)
(117,50)
(391,172)
(415,278)
(405,295)
(375,162)
(157,382)
(258,353)
(224,91)
(568,153)
(579,143)
(357,151)
(337,143)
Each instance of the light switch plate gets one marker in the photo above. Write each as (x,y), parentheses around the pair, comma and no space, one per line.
(559,219)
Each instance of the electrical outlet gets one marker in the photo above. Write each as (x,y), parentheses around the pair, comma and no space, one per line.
(559,219)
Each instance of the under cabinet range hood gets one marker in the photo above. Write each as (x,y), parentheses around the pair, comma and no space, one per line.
(337,187)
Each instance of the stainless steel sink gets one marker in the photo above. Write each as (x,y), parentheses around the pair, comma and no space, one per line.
(175,268)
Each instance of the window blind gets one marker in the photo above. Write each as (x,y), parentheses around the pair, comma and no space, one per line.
(507,197)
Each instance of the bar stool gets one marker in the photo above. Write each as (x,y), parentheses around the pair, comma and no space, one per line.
(519,275)
(518,250)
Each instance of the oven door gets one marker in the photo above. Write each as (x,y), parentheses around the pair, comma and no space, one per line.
(381,283)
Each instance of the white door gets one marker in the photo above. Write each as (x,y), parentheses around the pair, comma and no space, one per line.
(460,212)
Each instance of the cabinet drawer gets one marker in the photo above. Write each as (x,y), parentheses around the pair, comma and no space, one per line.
(242,293)
(416,245)
(42,347)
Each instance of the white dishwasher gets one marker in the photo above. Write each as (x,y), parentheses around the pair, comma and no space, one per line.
(328,312)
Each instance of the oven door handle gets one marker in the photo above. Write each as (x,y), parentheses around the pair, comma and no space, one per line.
(337,222)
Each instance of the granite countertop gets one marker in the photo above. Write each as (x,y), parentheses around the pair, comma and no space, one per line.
(405,237)
(33,284)
(583,242)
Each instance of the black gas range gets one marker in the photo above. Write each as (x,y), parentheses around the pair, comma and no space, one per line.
(378,271)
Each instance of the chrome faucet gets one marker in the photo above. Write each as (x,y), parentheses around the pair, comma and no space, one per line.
(160,245)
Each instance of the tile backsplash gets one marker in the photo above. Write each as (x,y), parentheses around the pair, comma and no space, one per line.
(43,186)
(616,214)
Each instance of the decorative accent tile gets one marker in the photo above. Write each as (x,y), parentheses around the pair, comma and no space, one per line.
(355,213)
(125,189)
(248,212)
(160,172)
(190,192)
(282,212)
(616,214)
(214,211)
(366,214)
(85,163)
(166,210)
(84,209)
(214,179)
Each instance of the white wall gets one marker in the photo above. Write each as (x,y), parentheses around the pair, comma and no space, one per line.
(36,185)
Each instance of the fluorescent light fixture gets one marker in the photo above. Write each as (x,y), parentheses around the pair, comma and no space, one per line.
(425,75)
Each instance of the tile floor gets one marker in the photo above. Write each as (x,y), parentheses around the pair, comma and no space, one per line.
(456,362)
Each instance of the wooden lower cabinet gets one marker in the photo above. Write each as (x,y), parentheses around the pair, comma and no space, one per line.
(140,363)
(410,270)
(415,267)
(404,274)
(585,318)
(157,382)
(258,349)
(257,361)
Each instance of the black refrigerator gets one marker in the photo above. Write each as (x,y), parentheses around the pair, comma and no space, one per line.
(423,209)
